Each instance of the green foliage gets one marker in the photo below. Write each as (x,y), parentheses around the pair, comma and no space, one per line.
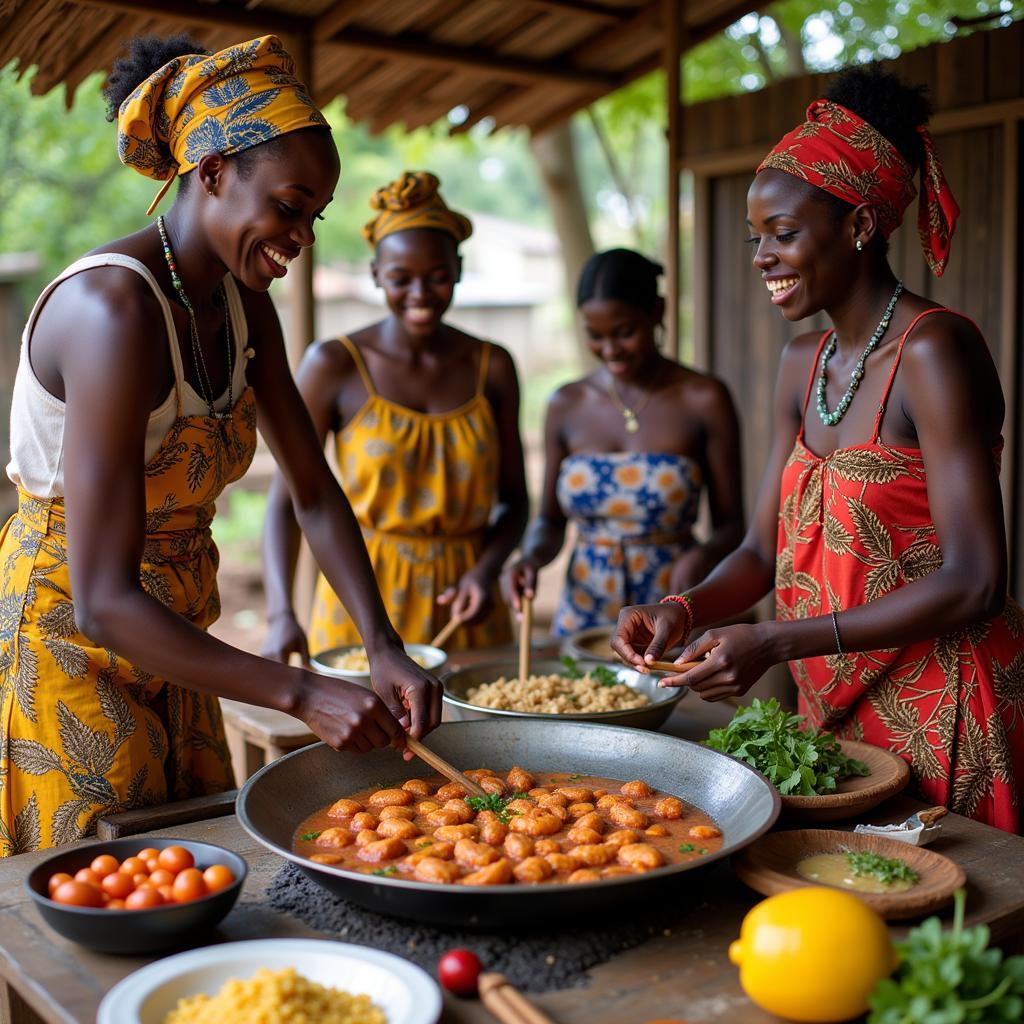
(308,837)
(886,869)
(797,761)
(950,978)
(600,674)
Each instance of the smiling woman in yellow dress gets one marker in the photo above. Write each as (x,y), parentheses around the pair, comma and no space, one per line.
(426,430)
(143,367)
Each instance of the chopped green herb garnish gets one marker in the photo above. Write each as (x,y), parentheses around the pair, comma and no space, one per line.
(424,842)
(570,668)
(885,869)
(603,675)
(308,837)
(496,803)
(797,761)
(388,871)
(703,851)
(687,848)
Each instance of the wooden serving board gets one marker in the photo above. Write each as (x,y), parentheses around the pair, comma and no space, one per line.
(768,866)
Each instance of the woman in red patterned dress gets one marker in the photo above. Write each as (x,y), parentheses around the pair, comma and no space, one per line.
(879,518)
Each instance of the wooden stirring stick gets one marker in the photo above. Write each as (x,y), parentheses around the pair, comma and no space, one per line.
(507,1003)
(446,631)
(439,764)
(525,626)
(671,667)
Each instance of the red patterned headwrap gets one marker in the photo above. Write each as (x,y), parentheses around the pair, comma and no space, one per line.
(838,151)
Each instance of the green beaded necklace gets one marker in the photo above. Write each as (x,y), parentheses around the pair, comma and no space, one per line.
(830,419)
(197,352)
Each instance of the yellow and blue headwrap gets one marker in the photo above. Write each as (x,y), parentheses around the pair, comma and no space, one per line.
(219,103)
(412,201)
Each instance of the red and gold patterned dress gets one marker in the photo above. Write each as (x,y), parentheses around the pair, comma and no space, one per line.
(853,526)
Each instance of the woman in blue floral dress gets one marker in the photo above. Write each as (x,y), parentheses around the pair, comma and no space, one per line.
(629,448)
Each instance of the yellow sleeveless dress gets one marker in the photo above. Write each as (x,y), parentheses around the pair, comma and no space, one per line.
(422,486)
(83,732)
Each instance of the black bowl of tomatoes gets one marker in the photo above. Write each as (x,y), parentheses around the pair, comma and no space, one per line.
(132,896)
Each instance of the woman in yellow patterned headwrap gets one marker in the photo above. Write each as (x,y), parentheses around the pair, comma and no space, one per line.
(425,421)
(142,369)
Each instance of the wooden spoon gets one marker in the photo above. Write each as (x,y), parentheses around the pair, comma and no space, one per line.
(671,667)
(446,631)
(507,1003)
(525,626)
(439,764)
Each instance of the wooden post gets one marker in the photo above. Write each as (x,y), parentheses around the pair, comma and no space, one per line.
(301,333)
(672,53)
(302,311)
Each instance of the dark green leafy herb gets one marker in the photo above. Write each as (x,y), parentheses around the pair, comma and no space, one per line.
(308,837)
(797,761)
(496,803)
(950,978)
(687,848)
(388,871)
(886,869)
(601,674)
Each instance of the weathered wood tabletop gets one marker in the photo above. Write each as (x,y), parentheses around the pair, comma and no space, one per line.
(683,974)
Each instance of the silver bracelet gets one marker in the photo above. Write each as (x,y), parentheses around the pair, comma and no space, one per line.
(835,627)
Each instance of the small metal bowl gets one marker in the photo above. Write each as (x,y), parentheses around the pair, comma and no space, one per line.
(325,661)
(651,716)
(136,931)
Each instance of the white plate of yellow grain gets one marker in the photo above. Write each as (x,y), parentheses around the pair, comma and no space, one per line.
(352,663)
(400,991)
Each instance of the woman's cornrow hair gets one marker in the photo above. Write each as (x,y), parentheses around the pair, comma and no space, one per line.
(145,55)
(620,274)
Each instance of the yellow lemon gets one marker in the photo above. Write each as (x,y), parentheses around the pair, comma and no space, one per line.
(812,954)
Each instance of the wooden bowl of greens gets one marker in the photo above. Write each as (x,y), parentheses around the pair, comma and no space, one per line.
(898,880)
(818,777)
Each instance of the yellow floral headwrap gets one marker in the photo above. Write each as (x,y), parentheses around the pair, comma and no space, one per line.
(222,103)
(412,201)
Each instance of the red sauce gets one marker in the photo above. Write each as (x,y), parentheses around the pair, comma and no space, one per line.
(536,828)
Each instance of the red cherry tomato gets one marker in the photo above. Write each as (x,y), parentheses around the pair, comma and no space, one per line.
(105,865)
(175,859)
(189,885)
(458,971)
(78,894)
(56,880)
(144,899)
(217,877)
(118,885)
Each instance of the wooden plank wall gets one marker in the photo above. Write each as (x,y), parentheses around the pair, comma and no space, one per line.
(977,87)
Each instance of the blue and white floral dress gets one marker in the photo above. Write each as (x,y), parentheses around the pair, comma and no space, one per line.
(633,513)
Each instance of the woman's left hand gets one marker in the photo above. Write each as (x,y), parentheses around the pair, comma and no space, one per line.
(470,599)
(410,693)
(732,658)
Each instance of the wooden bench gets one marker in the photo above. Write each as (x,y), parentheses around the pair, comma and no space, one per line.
(257,736)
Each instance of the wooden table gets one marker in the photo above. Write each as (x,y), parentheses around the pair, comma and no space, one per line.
(685,974)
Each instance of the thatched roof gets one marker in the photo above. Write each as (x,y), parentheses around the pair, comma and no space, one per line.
(518,62)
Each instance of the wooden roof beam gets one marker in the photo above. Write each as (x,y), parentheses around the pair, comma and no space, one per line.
(335,18)
(600,12)
(257,20)
(426,51)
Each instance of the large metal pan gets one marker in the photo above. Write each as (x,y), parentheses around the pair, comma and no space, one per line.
(275,801)
(651,716)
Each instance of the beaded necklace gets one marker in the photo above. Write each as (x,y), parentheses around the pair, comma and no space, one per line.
(830,419)
(197,352)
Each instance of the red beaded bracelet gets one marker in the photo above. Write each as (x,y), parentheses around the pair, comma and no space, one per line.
(685,601)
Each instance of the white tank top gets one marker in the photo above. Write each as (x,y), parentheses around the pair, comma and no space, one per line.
(37,417)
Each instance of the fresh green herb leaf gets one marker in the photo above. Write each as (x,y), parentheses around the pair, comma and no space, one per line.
(687,848)
(946,976)
(308,837)
(388,871)
(570,669)
(424,842)
(496,803)
(885,869)
(603,675)
(797,761)
(703,851)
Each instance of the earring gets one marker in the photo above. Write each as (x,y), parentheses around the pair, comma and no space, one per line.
(859,246)
(209,192)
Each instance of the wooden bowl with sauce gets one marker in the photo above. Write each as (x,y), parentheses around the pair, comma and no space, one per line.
(859,793)
(770,866)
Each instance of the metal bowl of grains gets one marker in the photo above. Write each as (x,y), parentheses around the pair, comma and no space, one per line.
(609,695)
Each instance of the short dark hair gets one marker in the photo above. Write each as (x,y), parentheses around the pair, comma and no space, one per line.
(620,274)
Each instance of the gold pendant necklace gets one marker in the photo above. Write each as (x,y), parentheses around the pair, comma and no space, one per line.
(629,416)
